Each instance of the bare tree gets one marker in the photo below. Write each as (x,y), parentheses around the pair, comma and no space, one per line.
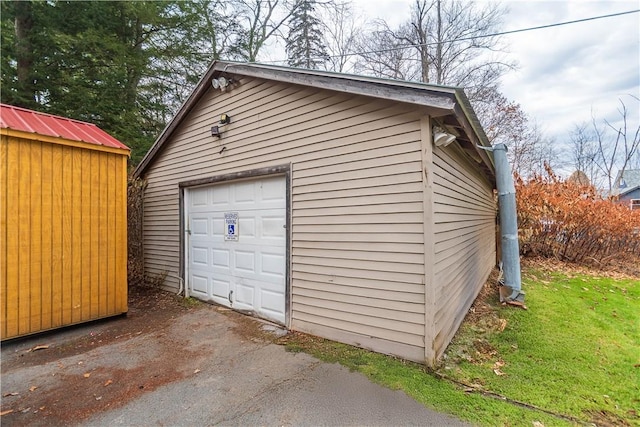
(381,54)
(584,151)
(448,42)
(261,20)
(341,29)
(505,122)
(617,144)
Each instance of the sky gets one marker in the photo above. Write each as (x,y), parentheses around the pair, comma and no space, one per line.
(564,73)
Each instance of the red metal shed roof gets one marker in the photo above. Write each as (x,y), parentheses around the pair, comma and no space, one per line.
(21,119)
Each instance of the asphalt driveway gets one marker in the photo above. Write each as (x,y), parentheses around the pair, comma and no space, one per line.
(173,364)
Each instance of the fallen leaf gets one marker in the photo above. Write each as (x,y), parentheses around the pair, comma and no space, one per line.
(537,424)
(108,382)
(33,387)
(87,375)
(498,372)
(8,411)
(503,324)
(10,394)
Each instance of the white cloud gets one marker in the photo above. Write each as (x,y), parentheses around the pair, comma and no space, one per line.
(566,72)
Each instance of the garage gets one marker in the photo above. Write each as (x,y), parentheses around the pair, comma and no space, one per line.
(236,245)
(387,200)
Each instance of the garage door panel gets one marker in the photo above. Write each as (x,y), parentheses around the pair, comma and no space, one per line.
(272,301)
(221,258)
(246,228)
(220,195)
(272,227)
(273,190)
(272,264)
(252,269)
(245,261)
(200,256)
(217,227)
(243,298)
(199,226)
(245,193)
(200,284)
(220,289)
(199,197)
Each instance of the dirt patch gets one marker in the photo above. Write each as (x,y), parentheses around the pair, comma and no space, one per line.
(149,309)
(606,419)
(77,387)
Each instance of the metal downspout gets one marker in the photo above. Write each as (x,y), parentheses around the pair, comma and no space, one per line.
(511,283)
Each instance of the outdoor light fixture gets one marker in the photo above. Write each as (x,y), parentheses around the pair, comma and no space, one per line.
(221,83)
(442,138)
(225,119)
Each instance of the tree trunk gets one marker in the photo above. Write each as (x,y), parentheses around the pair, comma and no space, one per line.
(24,55)
(438,61)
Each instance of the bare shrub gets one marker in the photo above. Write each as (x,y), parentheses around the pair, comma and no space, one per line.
(571,221)
(135,261)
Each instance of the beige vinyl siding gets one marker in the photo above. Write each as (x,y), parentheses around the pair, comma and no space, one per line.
(357,237)
(464,239)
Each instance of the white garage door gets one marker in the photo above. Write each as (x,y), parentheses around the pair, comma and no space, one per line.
(239,263)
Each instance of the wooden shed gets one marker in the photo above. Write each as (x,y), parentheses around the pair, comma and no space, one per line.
(63,222)
(352,208)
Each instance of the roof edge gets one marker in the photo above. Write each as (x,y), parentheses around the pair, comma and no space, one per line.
(184,109)
(65,141)
(628,190)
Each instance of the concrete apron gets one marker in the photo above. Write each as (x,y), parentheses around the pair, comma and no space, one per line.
(205,373)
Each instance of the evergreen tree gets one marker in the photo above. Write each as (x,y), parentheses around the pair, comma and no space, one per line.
(305,45)
(109,63)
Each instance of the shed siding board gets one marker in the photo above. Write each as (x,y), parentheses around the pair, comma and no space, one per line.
(61,235)
(464,239)
(3,238)
(342,149)
(46,191)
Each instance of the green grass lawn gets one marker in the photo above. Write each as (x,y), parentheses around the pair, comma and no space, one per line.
(573,357)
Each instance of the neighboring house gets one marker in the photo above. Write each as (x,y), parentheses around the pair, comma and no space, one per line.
(628,188)
(63,222)
(319,201)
